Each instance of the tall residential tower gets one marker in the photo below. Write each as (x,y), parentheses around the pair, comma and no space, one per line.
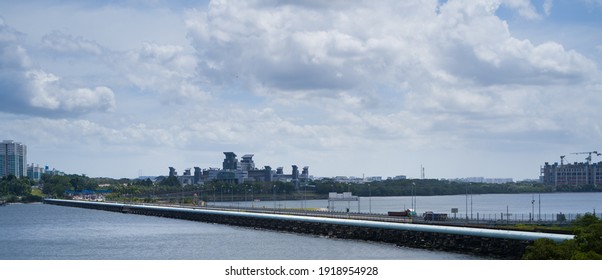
(13,159)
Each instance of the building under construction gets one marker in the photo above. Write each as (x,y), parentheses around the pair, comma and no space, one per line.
(575,174)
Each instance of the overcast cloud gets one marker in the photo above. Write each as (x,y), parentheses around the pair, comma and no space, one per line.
(464,88)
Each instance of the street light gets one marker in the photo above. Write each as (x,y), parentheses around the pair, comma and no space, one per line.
(466,204)
(370,197)
(303,202)
(414,196)
(532,207)
(284,192)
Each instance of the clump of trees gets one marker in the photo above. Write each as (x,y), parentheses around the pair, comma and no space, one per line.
(58,185)
(13,189)
(587,244)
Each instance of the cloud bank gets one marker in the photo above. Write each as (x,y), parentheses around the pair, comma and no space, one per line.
(26,89)
(344,87)
(447,64)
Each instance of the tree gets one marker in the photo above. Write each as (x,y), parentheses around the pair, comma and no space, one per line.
(547,249)
(171,181)
(587,244)
(55,185)
(11,185)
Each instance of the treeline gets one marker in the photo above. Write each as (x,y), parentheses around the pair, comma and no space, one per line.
(59,186)
(428,187)
(170,187)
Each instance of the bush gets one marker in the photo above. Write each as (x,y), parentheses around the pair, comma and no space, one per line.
(587,244)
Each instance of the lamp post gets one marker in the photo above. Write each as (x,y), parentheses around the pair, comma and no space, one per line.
(413,197)
(181,195)
(202,196)
(370,197)
(532,207)
(466,204)
(304,198)
(539,206)
(284,192)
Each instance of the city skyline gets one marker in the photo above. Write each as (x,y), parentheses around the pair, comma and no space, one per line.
(463,88)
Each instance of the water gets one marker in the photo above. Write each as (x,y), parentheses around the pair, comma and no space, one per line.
(40,231)
(489,206)
(48,232)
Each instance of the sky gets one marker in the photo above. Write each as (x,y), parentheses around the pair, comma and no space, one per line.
(483,88)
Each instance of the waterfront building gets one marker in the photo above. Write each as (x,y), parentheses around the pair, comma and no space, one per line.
(13,159)
(198,176)
(304,177)
(172,172)
(247,162)
(237,172)
(230,162)
(187,178)
(576,174)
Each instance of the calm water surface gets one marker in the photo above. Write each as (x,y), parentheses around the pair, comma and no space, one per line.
(487,205)
(45,232)
(39,231)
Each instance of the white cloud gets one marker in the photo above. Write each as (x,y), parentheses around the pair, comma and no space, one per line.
(453,71)
(339,86)
(29,90)
(64,43)
(547,7)
(164,69)
(525,8)
(291,52)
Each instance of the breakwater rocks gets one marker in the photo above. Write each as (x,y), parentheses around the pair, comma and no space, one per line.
(494,244)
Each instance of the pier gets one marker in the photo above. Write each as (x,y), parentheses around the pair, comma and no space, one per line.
(494,243)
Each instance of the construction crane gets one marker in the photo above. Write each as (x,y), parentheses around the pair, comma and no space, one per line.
(562,160)
(589,157)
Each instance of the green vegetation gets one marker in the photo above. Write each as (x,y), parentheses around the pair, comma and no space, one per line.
(169,189)
(587,244)
(429,187)
(13,189)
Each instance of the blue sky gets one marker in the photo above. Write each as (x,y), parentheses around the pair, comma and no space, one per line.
(490,88)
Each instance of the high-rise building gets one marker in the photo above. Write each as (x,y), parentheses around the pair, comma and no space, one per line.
(230,162)
(13,159)
(247,163)
(577,174)
(34,172)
